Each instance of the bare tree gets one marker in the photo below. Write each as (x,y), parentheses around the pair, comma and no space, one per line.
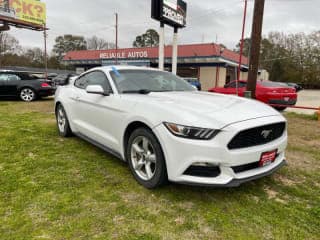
(8,45)
(95,43)
(34,56)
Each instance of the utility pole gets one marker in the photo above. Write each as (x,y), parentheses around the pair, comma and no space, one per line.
(175,51)
(161,46)
(45,50)
(255,46)
(241,45)
(116,38)
(242,37)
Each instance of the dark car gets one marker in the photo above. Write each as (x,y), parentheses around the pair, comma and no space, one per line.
(296,86)
(194,82)
(62,79)
(24,85)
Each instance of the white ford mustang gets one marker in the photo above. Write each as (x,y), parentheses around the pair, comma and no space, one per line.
(166,130)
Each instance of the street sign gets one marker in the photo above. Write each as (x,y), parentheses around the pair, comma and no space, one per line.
(170,12)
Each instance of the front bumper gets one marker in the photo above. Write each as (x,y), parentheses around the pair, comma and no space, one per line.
(290,102)
(238,182)
(182,153)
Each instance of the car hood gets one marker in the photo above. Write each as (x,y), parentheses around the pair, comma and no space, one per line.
(205,109)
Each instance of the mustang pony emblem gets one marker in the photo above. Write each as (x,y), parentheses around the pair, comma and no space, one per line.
(266,133)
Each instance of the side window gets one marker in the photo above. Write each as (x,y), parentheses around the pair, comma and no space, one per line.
(13,77)
(3,77)
(232,85)
(99,78)
(94,78)
(81,82)
(242,84)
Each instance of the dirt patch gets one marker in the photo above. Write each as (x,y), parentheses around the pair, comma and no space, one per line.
(187,206)
(302,160)
(274,195)
(286,181)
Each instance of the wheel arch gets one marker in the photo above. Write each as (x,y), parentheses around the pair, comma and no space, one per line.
(56,105)
(129,130)
(27,86)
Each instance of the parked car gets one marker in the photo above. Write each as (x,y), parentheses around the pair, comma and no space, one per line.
(63,79)
(267,92)
(24,85)
(194,82)
(166,130)
(51,76)
(296,86)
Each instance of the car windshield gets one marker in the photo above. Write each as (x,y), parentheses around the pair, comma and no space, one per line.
(148,81)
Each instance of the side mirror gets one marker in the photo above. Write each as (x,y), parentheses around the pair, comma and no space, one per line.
(95,89)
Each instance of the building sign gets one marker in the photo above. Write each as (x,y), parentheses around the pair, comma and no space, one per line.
(30,11)
(171,12)
(124,55)
(138,63)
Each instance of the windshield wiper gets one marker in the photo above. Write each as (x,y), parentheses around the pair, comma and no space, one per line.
(140,91)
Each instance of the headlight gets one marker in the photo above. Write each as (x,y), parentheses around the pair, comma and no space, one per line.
(191,132)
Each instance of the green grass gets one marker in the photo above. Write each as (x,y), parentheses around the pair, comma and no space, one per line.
(54,188)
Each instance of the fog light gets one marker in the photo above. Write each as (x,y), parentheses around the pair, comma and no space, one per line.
(203,169)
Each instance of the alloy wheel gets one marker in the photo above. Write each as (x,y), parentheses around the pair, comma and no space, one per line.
(27,95)
(143,158)
(61,118)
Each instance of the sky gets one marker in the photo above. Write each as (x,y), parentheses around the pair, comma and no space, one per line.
(207,20)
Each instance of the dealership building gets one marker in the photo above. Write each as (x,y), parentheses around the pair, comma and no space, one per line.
(212,64)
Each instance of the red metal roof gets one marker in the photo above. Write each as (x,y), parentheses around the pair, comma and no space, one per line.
(187,51)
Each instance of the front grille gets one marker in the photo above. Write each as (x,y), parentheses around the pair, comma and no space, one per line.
(257,136)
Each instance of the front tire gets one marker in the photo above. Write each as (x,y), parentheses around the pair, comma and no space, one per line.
(146,159)
(27,95)
(63,122)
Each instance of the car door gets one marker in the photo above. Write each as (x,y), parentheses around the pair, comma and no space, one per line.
(13,82)
(98,116)
(3,84)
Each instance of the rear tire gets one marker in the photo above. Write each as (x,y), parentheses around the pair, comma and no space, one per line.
(27,94)
(146,159)
(63,122)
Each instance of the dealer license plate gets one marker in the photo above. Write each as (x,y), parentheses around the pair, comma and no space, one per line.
(267,158)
